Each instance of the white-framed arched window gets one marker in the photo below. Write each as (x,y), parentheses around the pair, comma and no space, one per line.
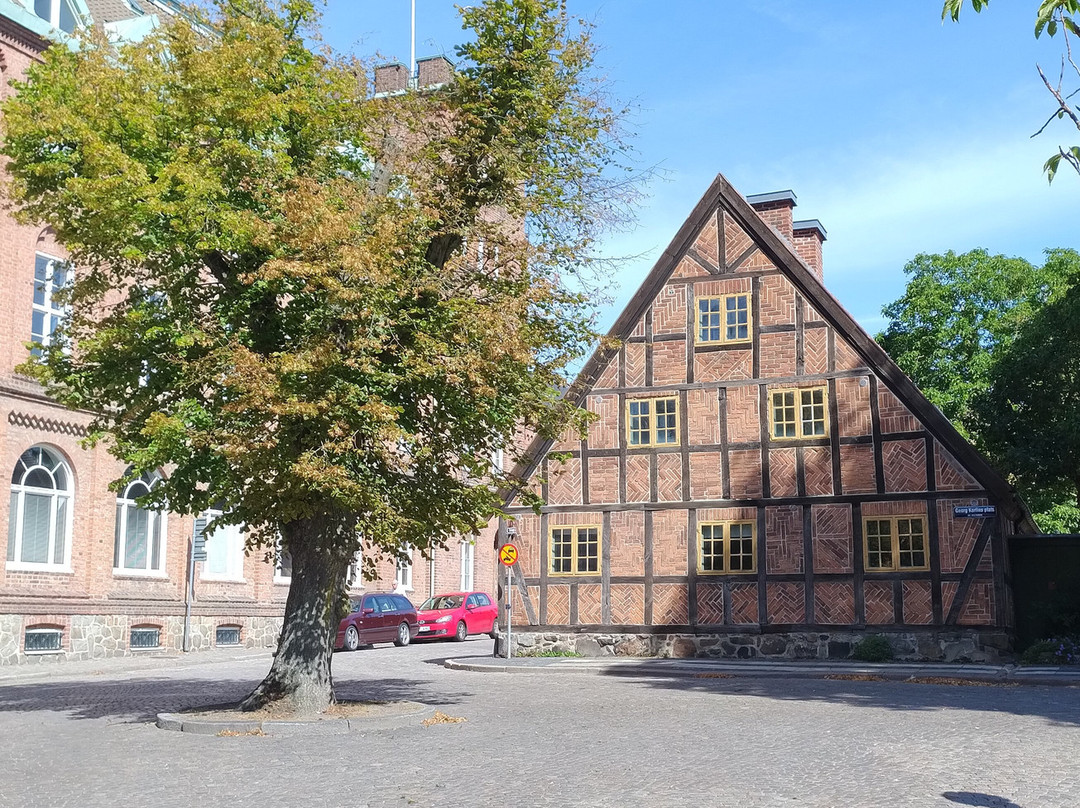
(224,549)
(39,521)
(139,547)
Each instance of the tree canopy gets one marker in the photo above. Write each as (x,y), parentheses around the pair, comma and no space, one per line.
(320,309)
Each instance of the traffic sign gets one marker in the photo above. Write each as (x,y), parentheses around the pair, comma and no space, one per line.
(508,554)
(198,540)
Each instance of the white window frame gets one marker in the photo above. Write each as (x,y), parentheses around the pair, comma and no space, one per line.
(44,630)
(354,576)
(279,578)
(18,512)
(403,573)
(235,540)
(54,14)
(47,307)
(158,521)
(468,558)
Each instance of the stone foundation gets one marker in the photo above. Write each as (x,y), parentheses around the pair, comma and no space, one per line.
(924,646)
(101,636)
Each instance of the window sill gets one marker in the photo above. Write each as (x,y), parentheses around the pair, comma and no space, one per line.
(44,653)
(283,581)
(14,566)
(222,579)
(122,573)
(717,573)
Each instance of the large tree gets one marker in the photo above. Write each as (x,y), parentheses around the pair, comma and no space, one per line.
(1051,17)
(320,309)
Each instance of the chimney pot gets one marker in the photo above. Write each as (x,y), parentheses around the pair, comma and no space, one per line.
(433,70)
(391,78)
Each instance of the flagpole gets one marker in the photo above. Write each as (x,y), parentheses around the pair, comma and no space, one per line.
(412,43)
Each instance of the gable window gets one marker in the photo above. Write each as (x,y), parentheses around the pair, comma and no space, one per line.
(39,520)
(575,550)
(139,545)
(723,319)
(468,552)
(224,550)
(403,572)
(50,276)
(799,413)
(895,543)
(726,547)
(652,422)
(59,13)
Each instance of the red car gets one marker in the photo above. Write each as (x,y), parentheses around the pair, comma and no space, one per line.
(457,615)
(377,618)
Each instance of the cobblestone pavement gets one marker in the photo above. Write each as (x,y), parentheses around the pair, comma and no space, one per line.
(83,736)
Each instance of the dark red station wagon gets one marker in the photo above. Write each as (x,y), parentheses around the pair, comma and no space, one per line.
(377,618)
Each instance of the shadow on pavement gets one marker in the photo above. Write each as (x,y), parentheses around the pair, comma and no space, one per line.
(137,700)
(979,800)
(1058,704)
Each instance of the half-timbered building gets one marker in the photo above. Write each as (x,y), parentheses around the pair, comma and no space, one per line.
(760,478)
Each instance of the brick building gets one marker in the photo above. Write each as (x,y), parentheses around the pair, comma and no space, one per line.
(87,572)
(760,479)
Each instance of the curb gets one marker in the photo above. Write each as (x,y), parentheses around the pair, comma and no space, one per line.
(181,722)
(690,670)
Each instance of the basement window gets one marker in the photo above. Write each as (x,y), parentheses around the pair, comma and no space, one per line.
(145,637)
(228,635)
(43,640)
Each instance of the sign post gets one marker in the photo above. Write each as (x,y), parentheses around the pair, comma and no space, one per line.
(198,553)
(508,554)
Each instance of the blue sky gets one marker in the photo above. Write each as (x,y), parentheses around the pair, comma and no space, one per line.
(901,134)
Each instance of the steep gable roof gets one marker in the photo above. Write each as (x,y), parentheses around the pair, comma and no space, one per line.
(721,195)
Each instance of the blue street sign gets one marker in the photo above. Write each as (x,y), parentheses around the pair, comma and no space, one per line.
(974,511)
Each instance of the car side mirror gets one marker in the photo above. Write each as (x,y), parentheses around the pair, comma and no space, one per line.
(369,610)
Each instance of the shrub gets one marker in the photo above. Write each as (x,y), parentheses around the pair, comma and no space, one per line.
(1052,651)
(872,649)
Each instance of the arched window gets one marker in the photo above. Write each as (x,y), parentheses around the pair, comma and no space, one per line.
(224,549)
(39,522)
(140,533)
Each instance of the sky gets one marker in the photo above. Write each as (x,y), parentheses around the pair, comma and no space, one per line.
(900,133)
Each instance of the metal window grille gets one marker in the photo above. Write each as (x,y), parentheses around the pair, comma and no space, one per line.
(145,638)
(38,639)
(228,635)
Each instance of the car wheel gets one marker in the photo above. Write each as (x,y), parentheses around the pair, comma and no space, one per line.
(462,631)
(352,639)
(403,635)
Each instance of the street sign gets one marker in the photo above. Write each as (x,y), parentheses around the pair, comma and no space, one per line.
(974,511)
(508,554)
(198,540)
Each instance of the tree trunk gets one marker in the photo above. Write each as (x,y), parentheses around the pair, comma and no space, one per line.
(299,679)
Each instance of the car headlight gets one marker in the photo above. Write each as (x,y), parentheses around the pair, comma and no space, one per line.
(446,618)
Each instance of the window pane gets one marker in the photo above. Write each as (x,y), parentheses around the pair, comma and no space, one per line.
(13,510)
(712,548)
(136,538)
(588,550)
(61,530)
(157,528)
(561,549)
(67,18)
(37,510)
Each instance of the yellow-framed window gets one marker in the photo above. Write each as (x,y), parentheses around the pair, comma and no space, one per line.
(723,319)
(894,543)
(799,413)
(575,550)
(726,547)
(652,422)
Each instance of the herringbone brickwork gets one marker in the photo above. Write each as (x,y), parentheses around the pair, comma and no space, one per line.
(637,478)
(604,431)
(669,477)
(956,536)
(918,606)
(568,441)
(757,262)
(710,604)
(879,602)
(846,357)
(787,603)
(669,310)
(564,482)
(669,362)
(628,543)
(853,407)
(895,417)
(817,471)
(688,268)
(904,463)
(948,592)
(669,543)
(726,285)
(979,606)
(784,539)
(951,476)
(635,364)
(706,243)
(834,603)
(743,421)
(558,604)
(721,366)
(639,328)
(777,355)
(519,616)
(815,350)
(670,605)
(702,417)
(776,302)
(603,479)
(744,605)
(857,469)
(528,543)
(589,606)
(705,476)
(628,604)
(745,467)
(735,239)
(609,376)
(911,507)
(782,473)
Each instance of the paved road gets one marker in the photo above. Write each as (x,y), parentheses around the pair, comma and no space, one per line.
(83,737)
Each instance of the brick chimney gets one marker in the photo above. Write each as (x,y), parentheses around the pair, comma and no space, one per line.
(775,208)
(809,235)
(433,71)
(391,78)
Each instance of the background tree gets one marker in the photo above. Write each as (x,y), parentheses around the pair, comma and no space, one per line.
(1028,416)
(279,296)
(1051,16)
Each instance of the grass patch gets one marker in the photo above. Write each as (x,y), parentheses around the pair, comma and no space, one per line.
(548,654)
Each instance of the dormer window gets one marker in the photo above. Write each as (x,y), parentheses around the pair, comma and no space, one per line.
(59,13)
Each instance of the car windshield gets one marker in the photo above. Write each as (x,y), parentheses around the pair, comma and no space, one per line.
(442,602)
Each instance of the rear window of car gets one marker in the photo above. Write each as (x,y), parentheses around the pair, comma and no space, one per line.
(482,599)
(403,603)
